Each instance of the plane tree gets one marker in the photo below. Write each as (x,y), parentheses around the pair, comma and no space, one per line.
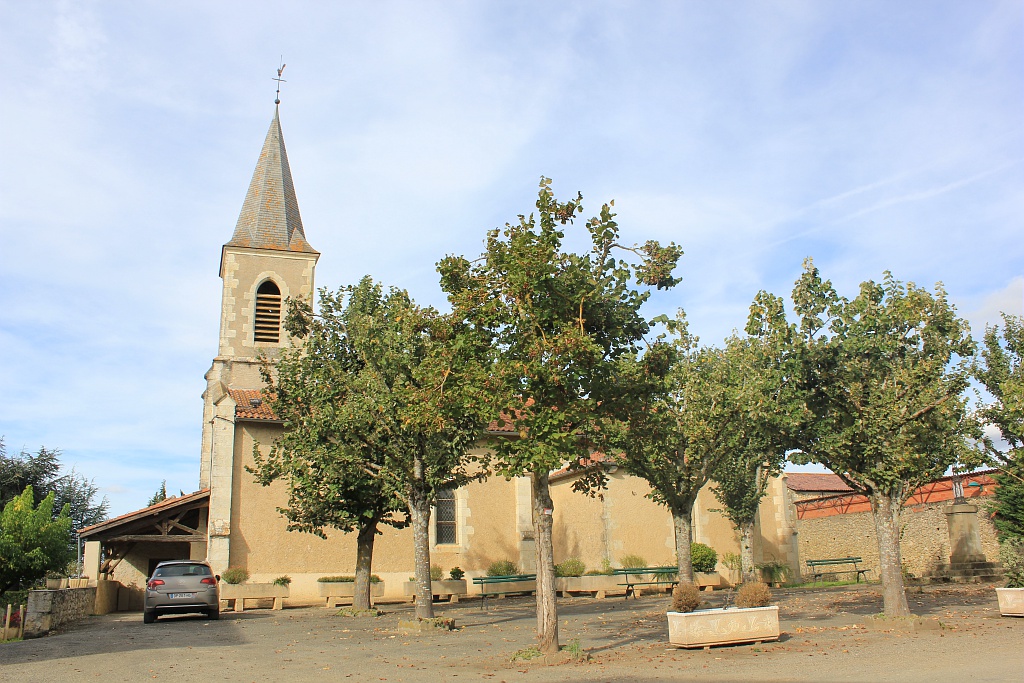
(558,322)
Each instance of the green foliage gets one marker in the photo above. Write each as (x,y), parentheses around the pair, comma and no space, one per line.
(436,573)
(773,571)
(753,594)
(1011,554)
(503,568)
(283,580)
(703,557)
(160,495)
(1002,372)
(732,561)
(41,471)
(346,579)
(574,566)
(456,574)
(235,575)
(633,561)
(33,540)
(685,597)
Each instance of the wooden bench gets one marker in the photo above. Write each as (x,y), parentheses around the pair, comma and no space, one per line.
(662,577)
(815,566)
(503,585)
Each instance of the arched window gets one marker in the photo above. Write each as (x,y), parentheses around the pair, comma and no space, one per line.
(268,313)
(444,517)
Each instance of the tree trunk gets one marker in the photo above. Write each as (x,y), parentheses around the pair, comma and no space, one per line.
(419,511)
(748,572)
(364,563)
(543,521)
(886,512)
(683,523)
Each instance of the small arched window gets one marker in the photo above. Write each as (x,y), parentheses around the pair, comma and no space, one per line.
(268,313)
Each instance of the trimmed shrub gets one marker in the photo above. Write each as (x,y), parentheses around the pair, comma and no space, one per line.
(632,561)
(346,579)
(456,574)
(703,558)
(685,598)
(574,566)
(503,568)
(283,580)
(598,572)
(754,594)
(235,575)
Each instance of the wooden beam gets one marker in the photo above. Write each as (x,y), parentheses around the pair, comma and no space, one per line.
(137,538)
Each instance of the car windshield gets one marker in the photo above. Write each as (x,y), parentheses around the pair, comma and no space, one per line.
(183,570)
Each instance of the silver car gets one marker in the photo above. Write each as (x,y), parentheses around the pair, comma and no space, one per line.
(181,587)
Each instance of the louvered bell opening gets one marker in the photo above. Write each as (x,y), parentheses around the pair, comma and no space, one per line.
(268,313)
(444,517)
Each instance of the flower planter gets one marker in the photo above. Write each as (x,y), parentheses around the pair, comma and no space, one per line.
(704,628)
(448,588)
(238,593)
(707,580)
(597,585)
(52,584)
(1011,601)
(333,591)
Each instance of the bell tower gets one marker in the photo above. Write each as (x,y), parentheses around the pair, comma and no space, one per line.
(266,262)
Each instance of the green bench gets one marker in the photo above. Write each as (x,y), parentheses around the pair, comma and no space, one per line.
(661,577)
(817,571)
(501,585)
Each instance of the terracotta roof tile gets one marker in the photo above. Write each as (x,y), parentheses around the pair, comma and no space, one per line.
(169,502)
(251,405)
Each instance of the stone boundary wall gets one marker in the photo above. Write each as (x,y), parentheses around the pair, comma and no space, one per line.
(924,538)
(50,610)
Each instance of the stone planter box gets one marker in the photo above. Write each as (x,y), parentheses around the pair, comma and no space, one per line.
(597,585)
(448,588)
(1011,601)
(493,590)
(704,628)
(334,591)
(238,593)
(53,584)
(707,580)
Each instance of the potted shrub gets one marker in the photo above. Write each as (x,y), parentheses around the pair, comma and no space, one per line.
(773,572)
(235,587)
(751,621)
(334,587)
(733,565)
(1011,598)
(704,559)
(451,588)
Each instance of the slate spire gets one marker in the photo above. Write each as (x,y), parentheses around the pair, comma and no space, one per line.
(270,215)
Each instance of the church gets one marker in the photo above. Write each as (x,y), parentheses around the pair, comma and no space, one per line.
(233,521)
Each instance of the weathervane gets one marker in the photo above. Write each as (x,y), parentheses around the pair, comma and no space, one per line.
(277,98)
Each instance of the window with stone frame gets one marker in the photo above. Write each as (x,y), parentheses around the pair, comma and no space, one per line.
(445,532)
(268,313)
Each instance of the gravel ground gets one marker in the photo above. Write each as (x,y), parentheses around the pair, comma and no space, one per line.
(825,637)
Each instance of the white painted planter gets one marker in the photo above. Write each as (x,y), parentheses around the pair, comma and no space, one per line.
(238,593)
(705,580)
(333,592)
(1011,601)
(707,627)
(597,585)
(448,588)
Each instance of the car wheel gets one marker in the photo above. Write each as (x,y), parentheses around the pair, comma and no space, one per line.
(148,616)
(213,613)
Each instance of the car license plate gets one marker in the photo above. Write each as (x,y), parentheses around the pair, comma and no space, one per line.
(172,596)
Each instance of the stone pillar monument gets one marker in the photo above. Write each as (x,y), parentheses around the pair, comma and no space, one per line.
(964,539)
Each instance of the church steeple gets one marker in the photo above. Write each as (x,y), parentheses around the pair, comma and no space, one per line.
(270,214)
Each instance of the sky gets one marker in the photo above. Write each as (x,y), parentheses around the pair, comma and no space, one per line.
(871,136)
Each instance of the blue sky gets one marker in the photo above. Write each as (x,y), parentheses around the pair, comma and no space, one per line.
(869,135)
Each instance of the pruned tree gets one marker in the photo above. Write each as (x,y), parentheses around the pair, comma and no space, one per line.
(33,540)
(559,321)
(883,376)
(406,400)
(678,434)
(1001,371)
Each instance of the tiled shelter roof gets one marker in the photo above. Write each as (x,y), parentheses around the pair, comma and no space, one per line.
(270,214)
(815,481)
(251,404)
